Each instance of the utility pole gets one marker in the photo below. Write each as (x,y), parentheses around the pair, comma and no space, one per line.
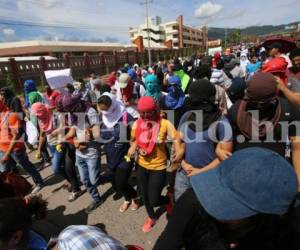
(146,3)
(225,38)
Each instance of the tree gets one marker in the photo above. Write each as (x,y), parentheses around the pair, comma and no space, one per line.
(234,37)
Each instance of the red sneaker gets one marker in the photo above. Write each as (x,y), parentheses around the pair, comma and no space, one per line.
(148,225)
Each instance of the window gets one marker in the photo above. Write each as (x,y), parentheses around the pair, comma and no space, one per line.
(175,36)
(175,44)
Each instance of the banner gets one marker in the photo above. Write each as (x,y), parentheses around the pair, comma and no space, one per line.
(212,51)
(58,79)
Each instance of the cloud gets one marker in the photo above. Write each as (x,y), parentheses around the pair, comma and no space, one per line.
(207,10)
(8,32)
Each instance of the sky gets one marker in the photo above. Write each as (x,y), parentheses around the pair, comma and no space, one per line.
(109,20)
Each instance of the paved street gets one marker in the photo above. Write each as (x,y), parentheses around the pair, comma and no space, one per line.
(124,227)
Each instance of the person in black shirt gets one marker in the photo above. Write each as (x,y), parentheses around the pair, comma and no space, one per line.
(262,119)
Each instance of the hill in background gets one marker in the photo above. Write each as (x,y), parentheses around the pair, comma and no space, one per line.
(219,33)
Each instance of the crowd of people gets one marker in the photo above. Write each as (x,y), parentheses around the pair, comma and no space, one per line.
(225,129)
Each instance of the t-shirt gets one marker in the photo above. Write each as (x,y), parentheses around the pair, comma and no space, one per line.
(251,68)
(200,146)
(9,121)
(93,147)
(289,114)
(116,148)
(158,158)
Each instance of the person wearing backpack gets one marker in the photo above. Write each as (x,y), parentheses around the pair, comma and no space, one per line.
(12,147)
(116,122)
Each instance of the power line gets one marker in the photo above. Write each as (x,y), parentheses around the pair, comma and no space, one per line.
(56,25)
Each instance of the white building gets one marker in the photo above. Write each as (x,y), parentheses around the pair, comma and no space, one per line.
(174,32)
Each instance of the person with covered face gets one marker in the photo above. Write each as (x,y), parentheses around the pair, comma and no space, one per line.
(202,130)
(246,203)
(52,128)
(262,119)
(116,121)
(85,129)
(149,135)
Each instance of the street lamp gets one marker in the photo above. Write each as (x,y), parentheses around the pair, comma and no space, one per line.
(146,3)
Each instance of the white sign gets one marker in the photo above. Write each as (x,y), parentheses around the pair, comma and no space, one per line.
(212,51)
(58,79)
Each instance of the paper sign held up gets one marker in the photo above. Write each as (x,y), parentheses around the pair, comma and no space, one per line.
(58,79)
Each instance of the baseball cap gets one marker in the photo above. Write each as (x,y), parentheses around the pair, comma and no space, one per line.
(251,181)
(123,80)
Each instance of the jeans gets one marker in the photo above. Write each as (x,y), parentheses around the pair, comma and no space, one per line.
(182,183)
(63,163)
(89,171)
(58,161)
(21,158)
(151,183)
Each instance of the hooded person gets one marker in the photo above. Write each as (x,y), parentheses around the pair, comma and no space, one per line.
(244,62)
(256,120)
(51,126)
(245,203)
(203,120)
(116,121)
(152,88)
(86,131)
(29,86)
(174,100)
(216,58)
(237,89)
(111,80)
(185,78)
(50,96)
(149,134)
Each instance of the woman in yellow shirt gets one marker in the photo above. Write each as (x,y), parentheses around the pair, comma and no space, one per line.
(149,135)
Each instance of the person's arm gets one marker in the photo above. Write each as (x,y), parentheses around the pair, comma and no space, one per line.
(224,150)
(192,170)
(71,134)
(179,147)
(133,143)
(294,98)
(11,146)
(295,143)
(42,141)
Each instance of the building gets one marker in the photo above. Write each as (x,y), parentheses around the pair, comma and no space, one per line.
(58,48)
(214,43)
(172,34)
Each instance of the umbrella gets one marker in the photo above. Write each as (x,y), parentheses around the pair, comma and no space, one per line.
(287,44)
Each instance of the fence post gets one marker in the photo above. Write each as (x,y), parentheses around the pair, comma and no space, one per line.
(15,72)
(87,64)
(116,60)
(43,68)
(127,57)
(102,63)
(67,60)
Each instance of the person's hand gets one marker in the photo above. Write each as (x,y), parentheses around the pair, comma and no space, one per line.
(280,84)
(131,152)
(223,154)
(189,169)
(38,155)
(177,156)
(142,152)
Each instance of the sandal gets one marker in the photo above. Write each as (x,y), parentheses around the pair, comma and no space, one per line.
(124,207)
(135,204)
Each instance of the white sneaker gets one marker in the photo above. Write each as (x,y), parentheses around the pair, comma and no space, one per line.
(74,195)
(36,189)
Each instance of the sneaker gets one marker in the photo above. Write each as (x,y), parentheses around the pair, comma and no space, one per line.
(93,206)
(148,225)
(74,195)
(36,189)
(124,207)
